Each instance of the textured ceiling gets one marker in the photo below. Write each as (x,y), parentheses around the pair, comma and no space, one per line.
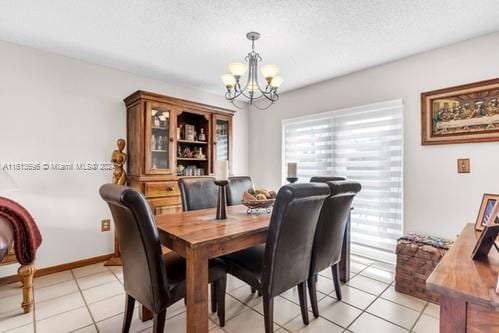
(191,42)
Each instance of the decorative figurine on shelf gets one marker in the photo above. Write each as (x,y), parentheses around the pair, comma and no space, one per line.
(188,153)
(180,170)
(118,159)
(200,154)
(202,135)
(179,151)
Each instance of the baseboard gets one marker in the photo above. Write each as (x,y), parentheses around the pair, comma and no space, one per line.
(59,268)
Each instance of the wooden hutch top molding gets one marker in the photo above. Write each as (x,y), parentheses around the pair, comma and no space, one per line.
(141,94)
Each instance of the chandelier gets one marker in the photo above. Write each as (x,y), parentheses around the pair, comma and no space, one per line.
(251,91)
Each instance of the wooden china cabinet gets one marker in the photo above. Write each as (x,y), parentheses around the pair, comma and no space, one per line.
(170,138)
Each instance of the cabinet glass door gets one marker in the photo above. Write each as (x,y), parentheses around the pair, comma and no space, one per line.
(158,139)
(222,139)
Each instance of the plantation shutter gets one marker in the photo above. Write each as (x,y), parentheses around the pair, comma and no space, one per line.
(363,144)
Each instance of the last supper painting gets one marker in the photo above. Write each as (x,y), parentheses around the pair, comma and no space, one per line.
(461,114)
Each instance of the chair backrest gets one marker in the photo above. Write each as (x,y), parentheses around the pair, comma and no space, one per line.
(332,223)
(237,186)
(291,234)
(144,270)
(325,179)
(198,193)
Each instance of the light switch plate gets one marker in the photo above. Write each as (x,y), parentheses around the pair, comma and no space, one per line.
(463,165)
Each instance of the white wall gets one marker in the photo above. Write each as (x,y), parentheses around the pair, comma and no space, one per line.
(437,200)
(57,109)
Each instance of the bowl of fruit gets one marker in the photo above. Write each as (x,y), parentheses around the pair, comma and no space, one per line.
(259,200)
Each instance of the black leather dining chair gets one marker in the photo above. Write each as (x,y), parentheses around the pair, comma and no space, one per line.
(328,241)
(155,280)
(284,261)
(198,193)
(237,186)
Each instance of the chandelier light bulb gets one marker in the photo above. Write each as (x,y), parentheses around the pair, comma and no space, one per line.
(238,68)
(276,81)
(269,71)
(228,80)
(252,86)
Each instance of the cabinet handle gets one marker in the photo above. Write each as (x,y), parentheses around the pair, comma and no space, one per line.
(171,139)
(170,189)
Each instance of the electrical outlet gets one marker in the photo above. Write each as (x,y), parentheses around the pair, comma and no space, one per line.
(105,225)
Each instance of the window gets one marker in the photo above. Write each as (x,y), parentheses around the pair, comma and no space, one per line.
(363,144)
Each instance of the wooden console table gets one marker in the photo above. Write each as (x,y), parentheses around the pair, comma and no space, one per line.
(468,301)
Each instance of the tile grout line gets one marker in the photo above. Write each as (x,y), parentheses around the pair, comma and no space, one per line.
(419,317)
(78,292)
(85,301)
(279,326)
(292,301)
(364,310)
(254,310)
(116,276)
(328,295)
(378,297)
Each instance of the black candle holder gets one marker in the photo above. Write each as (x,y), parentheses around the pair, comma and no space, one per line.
(292,180)
(222,199)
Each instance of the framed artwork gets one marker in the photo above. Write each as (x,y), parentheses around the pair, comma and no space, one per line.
(461,114)
(488,210)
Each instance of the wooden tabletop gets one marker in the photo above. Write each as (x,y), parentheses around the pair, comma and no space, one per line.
(199,228)
(457,275)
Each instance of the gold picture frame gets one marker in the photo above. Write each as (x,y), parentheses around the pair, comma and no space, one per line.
(489,209)
(461,114)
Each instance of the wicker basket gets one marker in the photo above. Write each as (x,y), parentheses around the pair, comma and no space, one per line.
(416,260)
(259,205)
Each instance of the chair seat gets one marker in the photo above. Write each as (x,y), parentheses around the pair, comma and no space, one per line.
(176,268)
(247,265)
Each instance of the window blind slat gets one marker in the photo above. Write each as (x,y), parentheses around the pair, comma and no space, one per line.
(363,144)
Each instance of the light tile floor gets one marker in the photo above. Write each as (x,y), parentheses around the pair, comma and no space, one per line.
(91,299)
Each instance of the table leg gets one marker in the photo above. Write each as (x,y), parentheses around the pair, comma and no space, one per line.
(452,314)
(197,291)
(345,254)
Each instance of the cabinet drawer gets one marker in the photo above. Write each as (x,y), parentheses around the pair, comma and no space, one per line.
(161,189)
(166,201)
(162,210)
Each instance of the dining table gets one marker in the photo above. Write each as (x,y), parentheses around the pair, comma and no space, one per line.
(198,236)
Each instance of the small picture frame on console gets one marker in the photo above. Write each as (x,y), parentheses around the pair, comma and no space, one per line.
(488,211)
(485,242)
